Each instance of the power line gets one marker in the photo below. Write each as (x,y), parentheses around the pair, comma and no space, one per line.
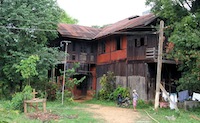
(45,30)
(9,19)
(32,29)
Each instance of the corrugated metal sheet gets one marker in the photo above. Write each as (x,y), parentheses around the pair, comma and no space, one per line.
(127,23)
(88,33)
(77,31)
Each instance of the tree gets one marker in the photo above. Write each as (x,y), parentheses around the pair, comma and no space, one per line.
(183,18)
(65,18)
(26,26)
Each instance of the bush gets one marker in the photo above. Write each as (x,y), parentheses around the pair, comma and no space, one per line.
(19,97)
(120,90)
(108,86)
(67,96)
(51,90)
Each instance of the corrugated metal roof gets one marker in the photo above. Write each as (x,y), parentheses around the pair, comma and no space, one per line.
(88,33)
(128,23)
(77,31)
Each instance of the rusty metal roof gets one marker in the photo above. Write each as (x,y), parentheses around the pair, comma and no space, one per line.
(77,31)
(89,33)
(128,23)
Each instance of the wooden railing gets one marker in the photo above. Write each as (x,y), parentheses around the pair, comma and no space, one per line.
(84,57)
(153,53)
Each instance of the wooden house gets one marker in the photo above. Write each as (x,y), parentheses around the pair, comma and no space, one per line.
(128,48)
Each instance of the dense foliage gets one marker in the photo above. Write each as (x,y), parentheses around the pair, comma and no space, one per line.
(183,19)
(18,98)
(26,26)
(109,90)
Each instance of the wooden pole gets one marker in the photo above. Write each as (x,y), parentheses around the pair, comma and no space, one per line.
(64,74)
(165,92)
(159,65)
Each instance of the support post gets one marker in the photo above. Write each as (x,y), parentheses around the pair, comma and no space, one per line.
(65,62)
(159,64)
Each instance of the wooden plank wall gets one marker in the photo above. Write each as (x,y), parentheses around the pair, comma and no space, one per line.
(139,52)
(119,68)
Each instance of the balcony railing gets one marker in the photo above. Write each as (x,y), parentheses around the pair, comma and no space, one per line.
(152,53)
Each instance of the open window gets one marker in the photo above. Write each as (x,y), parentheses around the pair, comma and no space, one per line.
(73,46)
(83,48)
(102,47)
(141,41)
(118,43)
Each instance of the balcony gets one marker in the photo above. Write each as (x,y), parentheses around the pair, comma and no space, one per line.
(82,58)
(152,54)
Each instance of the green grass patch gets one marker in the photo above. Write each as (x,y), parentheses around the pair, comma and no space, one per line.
(69,112)
(165,115)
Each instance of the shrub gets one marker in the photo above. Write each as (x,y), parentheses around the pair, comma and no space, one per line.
(19,97)
(51,89)
(121,90)
(67,96)
(108,86)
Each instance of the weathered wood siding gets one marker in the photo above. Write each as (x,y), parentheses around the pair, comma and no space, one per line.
(137,45)
(82,51)
(137,69)
(119,68)
(111,54)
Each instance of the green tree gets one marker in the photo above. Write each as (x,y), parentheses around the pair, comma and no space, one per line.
(65,18)
(183,18)
(26,27)
(27,67)
(71,80)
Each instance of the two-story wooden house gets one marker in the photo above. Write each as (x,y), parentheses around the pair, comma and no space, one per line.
(128,48)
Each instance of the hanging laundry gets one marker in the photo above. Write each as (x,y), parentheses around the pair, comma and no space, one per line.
(165,96)
(183,95)
(173,97)
(196,96)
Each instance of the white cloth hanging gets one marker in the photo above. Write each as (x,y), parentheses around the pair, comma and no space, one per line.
(173,97)
(165,96)
(196,96)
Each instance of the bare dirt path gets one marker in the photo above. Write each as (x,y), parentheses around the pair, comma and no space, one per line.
(116,114)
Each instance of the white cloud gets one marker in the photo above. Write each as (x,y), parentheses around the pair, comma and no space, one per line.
(101,12)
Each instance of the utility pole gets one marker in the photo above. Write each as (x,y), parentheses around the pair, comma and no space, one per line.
(65,62)
(159,64)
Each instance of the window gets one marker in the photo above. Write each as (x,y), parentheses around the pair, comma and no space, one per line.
(73,57)
(118,43)
(92,49)
(142,41)
(83,48)
(102,47)
(73,46)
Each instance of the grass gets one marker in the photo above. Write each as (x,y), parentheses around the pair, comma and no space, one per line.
(69,113)
(76,109)
(171,116)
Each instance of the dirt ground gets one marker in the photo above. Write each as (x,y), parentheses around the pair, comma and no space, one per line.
(115,114)
(106,114)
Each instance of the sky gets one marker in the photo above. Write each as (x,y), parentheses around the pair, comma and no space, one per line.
(102,12)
